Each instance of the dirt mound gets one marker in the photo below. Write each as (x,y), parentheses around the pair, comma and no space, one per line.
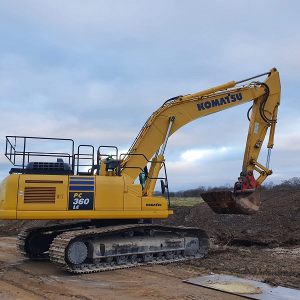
(11,228)
(277,222)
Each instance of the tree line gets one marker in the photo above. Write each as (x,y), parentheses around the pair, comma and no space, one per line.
(290,183)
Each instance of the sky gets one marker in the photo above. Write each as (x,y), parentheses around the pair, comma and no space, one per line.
(94,71)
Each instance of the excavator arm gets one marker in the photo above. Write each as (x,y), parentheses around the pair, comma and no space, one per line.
(181,110)
(246,196)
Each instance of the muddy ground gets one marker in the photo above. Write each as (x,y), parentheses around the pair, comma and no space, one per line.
(264,247)
(35,280)
(276,224)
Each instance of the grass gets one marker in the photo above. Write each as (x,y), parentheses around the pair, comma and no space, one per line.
(180,201)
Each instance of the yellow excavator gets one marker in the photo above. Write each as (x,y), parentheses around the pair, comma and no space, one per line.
(112,215)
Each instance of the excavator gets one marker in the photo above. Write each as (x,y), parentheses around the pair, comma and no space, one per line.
(109,198)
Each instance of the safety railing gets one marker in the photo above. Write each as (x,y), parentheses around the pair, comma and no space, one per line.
(165,178)
(20,153)
(80,157)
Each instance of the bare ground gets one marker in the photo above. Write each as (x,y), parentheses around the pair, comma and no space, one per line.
(264,247)
(277,222)
(41,280)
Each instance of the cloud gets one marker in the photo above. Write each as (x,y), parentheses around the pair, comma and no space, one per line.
(95,71)
(185,175)
(192,155)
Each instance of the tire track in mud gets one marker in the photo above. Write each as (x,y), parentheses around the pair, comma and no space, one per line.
(19,285)
(177,270)
(26,284)
(42,281)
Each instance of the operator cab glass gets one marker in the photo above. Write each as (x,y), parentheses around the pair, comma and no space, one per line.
(142,178)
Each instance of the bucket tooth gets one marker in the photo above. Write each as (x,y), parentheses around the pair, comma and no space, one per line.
(226,202)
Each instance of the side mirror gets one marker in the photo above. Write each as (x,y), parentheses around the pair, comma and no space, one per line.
(163,187)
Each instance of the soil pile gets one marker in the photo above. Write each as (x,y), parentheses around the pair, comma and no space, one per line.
(11,228)
(277,222)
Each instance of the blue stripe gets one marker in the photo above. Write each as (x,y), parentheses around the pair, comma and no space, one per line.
(82,178)
(81,182)
(81,188)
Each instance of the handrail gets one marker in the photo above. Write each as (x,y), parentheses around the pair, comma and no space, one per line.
(11,153)
(150,161)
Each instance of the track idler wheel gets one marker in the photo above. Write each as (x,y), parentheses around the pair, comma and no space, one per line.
(226,202)
(76,252)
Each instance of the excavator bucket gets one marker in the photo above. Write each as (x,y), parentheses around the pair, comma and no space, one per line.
(227,202)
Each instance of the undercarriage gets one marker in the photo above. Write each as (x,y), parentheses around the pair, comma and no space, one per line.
(85,247)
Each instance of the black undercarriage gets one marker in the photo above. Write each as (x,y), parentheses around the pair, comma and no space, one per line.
(91,246)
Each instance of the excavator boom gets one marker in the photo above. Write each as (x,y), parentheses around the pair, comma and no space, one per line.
(179,111)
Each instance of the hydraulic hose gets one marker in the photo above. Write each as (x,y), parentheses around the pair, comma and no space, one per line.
(263,103)
(262,106)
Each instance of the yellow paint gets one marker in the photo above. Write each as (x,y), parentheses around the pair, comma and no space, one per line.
(109,193)
(154,203)
(77,195)
(256,122)
(133,197)
(150,175)
(88,214)
(41,181)
(8,197)
(102,168)
(110,201)
(157,167)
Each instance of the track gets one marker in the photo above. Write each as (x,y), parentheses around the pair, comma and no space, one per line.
(60,236)
(27,234)
(60,243)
